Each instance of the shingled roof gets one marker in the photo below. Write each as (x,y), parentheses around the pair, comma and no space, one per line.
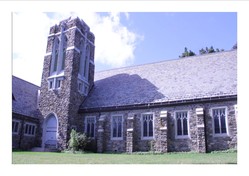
(204,76)
(24,97)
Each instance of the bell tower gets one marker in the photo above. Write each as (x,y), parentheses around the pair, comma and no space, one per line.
(68,76)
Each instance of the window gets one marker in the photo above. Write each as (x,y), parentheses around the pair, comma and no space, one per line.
(50,84)
(58,84)
(15,127)
(80,87)
(117,127)
(147,126)
(29,129)
(63,59)
(86,62)
(90,126)
(83,87)
(181,118)
(219,121)
(55,60)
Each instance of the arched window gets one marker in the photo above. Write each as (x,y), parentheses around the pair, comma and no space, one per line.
(64,53)
(181,118)
(86,65)
(55,56)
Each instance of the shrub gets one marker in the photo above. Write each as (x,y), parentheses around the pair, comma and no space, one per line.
(73,142)
(77,141)
(82,141)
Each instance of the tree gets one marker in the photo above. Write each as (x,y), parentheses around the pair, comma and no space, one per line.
(209,50)
(202,51)
(234,46)
(187,53)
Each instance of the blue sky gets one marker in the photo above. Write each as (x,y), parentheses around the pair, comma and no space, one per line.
(166,34)
(124,39)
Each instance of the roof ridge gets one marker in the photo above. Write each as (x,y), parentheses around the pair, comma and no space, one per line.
(162,61)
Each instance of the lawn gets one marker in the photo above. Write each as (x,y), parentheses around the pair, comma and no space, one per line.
(95,158)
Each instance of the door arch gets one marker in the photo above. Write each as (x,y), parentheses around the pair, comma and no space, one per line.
(50,131)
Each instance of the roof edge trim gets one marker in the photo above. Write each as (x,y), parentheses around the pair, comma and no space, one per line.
(158,105)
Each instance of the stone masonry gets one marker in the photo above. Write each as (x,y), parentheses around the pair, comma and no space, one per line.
(164,139)
(65,101)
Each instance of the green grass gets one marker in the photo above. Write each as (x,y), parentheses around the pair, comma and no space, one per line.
(95,158)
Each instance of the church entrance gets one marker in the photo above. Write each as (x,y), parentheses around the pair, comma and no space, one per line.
(50,132)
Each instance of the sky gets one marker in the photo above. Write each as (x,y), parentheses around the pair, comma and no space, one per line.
(123,39)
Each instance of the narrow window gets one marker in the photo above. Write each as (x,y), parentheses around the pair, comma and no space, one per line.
(63,59)
(58,84)
(80,87)
(117,125)
(181,123)
(90,126)
(64,53)
(15,127)
(86,62)
(219,120)
(50,84)
(147,125)
(55,60)
(29,129)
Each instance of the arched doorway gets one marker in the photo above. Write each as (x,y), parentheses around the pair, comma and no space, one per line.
(50,132)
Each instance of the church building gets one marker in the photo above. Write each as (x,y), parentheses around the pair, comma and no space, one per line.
(185,104)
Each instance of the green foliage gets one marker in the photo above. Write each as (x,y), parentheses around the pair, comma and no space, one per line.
(187,53)
(73,142)
(78,141)
(202,51)
(82,141)
(209,50)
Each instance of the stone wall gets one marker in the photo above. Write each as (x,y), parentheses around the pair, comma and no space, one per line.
(200,138)
(22,141)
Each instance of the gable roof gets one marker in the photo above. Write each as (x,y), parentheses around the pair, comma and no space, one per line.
(209,75)
(24,97)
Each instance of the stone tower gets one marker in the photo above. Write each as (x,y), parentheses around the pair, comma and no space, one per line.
(68,76)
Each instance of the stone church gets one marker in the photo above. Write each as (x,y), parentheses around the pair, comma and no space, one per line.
(187,104)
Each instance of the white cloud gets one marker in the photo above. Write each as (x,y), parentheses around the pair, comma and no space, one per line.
(115,43)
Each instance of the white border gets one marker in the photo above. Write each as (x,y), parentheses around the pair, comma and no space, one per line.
(172,6)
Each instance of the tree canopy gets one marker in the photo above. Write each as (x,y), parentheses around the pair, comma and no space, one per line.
(202,51)
(187,53)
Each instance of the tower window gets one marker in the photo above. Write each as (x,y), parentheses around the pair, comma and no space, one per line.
(50,84)
(55,60)
(58,84)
